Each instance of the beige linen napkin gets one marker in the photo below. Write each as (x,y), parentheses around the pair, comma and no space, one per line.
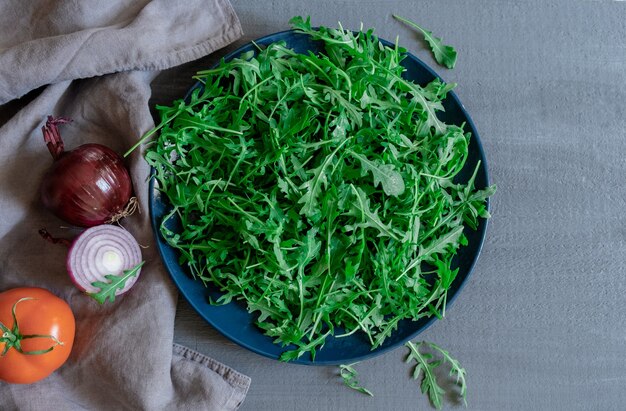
(123,356)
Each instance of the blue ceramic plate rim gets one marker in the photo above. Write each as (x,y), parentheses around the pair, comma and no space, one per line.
(201,306)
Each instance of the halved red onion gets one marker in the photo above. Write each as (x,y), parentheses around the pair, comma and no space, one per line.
(101,250)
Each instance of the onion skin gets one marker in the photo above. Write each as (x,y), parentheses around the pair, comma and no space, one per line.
(86,186)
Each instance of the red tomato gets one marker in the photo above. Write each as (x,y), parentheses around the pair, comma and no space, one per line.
(43,315)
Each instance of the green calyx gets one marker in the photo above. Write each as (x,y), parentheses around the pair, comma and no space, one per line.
(12,338)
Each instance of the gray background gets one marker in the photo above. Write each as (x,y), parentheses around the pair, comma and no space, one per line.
(541,325)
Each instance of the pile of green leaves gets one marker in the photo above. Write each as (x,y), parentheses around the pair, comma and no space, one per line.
(318,189)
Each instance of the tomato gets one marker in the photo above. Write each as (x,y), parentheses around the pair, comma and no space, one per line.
(43,338)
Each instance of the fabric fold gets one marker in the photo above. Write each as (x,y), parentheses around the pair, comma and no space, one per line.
(160,35)
(99,60)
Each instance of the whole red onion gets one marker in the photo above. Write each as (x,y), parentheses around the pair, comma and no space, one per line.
(86,186)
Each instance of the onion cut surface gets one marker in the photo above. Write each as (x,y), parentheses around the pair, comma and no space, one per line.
(99,251)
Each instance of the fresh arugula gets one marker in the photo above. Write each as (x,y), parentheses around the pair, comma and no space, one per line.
(116,282)
(384,174)
(318,189)
(444,55)
(426,366)
(349,376)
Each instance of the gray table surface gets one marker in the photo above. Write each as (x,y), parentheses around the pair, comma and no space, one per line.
(541,325)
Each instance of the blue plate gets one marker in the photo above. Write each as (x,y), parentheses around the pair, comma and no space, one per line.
(234,321)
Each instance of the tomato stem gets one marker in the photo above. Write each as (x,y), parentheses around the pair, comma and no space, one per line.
(13,338)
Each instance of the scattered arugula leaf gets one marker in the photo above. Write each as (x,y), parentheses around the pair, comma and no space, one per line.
(444,55)
(318,189)
(349,375)
(426,365)
(116,282)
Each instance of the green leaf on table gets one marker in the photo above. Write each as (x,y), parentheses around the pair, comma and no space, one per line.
(116,282)
(456,370)
(426,364)
(444,55)
(349,375)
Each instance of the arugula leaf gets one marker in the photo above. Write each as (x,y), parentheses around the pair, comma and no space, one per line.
(349,375)
(385,174)
(441,244)
(318,189)
(312,187)
(426,366)
(116,282)
(369,218)
(446,274)
(455,370)
(444,55)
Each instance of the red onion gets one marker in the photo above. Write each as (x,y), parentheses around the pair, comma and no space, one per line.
(86,186)
(102,250)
